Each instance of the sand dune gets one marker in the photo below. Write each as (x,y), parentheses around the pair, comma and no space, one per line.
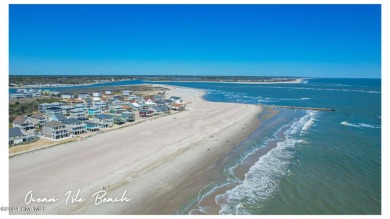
(147,161)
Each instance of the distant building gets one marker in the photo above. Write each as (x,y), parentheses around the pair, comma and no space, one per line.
(127,93)
(146,113)
(67,96)
(83,96)
(108,92)
(97,94)
(53,110)
(17,95)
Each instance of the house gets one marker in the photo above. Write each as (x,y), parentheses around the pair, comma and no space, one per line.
(97,94)
(78,113)
(118,120)
(55,93)
(88,101)
(178,106)
(66,109)
(176,99)
(168,102)
(82,96)
(54,110)
(127,93)
(104,120)
(38,119)
(75,126)
(55,130)
(36,94)
(94,111)
(17,95)
(130,117)
(91,126)
(23,122)
(127,108)
(66,96)
(108,92)
(15,136)
(146,113)
(116,109)
(161,109)
(57,117)
(101,105)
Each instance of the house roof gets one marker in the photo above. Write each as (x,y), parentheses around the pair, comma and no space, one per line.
(15,132)
(19,120)
(37,115)
(53,108)
(76,110)
(103,116)
(59,116)
(91,124)
(71,121)
(175,98)
(53,124)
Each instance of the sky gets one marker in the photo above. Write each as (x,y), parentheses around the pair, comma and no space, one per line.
(255,40)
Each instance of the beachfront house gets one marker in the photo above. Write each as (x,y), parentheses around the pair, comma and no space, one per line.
(104,120)
(66,96)
(146,113)
(118,120)
(176,99)
(91,126)
(178,106)
(130,117)
(15,136)
(55,130)
(23,122)
(38,119)
(159,110)
(78,113)
(127,93)
(75,126)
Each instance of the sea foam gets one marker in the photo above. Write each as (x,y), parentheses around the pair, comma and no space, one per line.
(263,178)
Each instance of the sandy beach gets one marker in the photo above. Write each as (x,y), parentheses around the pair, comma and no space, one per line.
(150,168)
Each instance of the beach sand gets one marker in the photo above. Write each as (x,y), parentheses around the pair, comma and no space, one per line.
(158,163)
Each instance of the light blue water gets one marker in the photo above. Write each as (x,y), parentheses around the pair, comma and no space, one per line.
(301,162)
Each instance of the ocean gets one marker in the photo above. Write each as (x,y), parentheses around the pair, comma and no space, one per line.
(298,161)
(301,161)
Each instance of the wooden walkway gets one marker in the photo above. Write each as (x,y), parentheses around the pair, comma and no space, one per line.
(298,107)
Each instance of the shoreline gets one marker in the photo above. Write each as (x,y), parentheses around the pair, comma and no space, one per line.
(295,81)
(149,160)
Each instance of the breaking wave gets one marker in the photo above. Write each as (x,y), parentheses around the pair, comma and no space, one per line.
(360,125)
(262,179)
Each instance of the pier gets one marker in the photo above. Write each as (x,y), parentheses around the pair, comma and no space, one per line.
(299,107)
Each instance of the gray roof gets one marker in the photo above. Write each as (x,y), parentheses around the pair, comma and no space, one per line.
(91,124)
(103,116)
(145,111)
(71,121)
(15,132)
(37,116)
(53,124)
(19,120)
(175,98)
(60,116)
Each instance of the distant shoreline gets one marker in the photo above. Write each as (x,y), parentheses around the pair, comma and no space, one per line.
(295,81)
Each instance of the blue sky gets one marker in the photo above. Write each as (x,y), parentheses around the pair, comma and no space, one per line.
(272,40)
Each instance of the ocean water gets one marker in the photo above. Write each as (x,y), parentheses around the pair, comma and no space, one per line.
(299,161)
